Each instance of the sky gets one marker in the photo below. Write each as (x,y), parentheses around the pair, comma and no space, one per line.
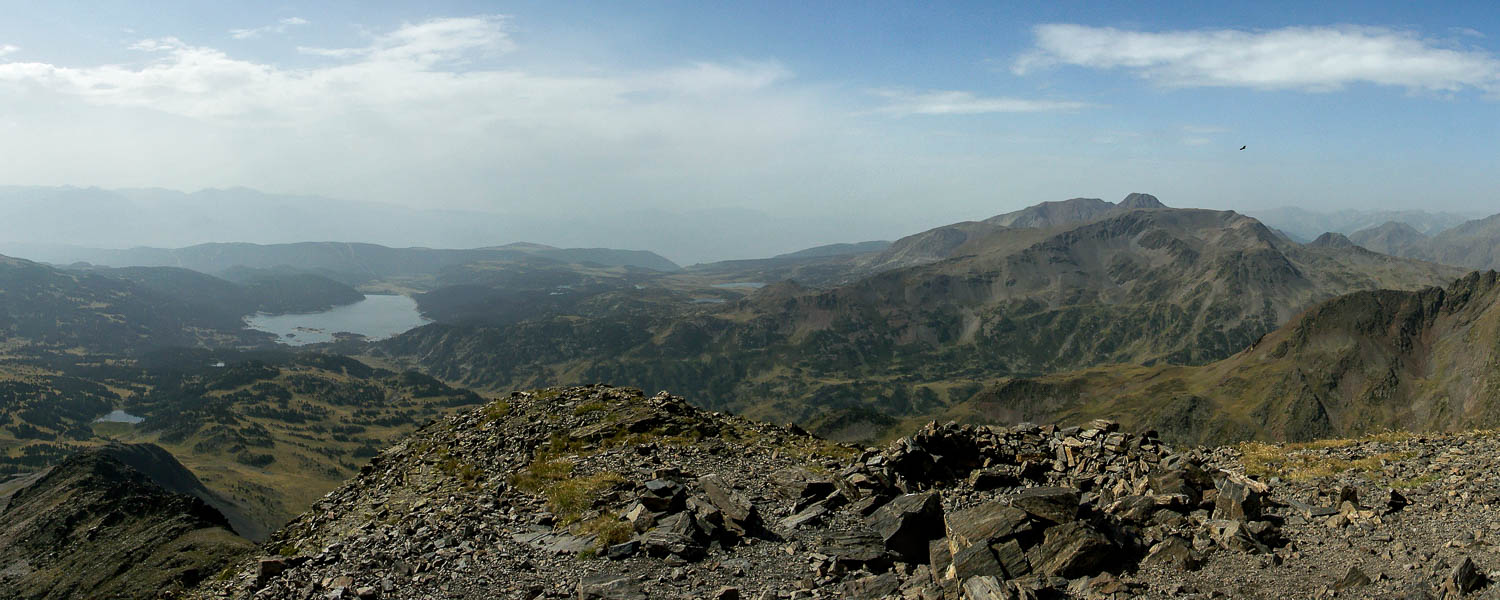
(879,118)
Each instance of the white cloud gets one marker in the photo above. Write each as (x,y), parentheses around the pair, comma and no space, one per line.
(435,105)
(6,49)
(281,26)
(1292,58)
(430,41)
(966,103)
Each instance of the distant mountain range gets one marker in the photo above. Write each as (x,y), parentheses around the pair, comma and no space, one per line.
(1473,244)
(910,328)
(39,219)
(1304,225)
(348,262)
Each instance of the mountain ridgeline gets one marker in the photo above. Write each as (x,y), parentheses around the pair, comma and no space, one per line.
(1363,362)
(95,526)
(354,263)
(938,315)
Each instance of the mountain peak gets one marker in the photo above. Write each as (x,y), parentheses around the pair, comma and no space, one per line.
(1332,240)
(1138,200)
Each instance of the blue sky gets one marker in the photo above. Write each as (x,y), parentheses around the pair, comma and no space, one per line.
(901,114)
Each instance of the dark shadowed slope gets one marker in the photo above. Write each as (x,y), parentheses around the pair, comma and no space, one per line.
(93,527)
(1362,362)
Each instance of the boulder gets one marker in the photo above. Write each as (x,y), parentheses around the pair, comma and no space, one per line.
(267,569)
(1237,501)
(623,550)
(874,587)
(1173,553)
(986,588)
(798,484)
(857,549)
(663,495)
(940,557)
(1187,479)
(991,521)
(1012,558)
(1052,504)
(727,593)
(640,517)
(973,561)
(994,478)
(609,587)
(811,515)
(907,523)
(1072,550)
(661,543)
(1463,579)
(1352,578)
(740,515)
(1234,535)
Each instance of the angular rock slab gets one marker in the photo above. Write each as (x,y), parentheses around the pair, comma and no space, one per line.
(609,587)
(907,523)
(740,515)
(1053,504)
(981,524)
(1072,550)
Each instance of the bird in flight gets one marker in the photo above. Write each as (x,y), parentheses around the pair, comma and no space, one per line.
(1242,147)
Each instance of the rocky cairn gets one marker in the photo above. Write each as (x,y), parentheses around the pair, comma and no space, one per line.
(603,493)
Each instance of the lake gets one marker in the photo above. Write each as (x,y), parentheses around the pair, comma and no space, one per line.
(119,416)
(376,317)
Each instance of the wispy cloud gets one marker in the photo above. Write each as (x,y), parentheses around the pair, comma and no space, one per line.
(430,41)
(6,49)
(966,103)
(416,66)
(281,26)
(1294,58)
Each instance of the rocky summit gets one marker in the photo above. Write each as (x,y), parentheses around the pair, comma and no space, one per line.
(605,493)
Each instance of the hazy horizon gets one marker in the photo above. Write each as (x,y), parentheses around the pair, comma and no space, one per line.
(245,215)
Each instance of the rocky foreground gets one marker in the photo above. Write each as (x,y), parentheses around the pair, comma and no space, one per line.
(604,493)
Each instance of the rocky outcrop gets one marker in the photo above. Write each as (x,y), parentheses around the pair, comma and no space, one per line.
(602,492)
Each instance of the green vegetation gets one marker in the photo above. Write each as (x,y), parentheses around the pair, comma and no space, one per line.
(567,495)
(608,528)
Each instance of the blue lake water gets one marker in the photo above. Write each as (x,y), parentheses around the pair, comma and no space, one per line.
(378,316)
(119,416)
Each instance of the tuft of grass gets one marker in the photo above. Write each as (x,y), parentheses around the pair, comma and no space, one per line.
(608,528)
(466,473)
(496,410)
(541,475)
(567,495)
(570,497)
(1293,463)
(590,407)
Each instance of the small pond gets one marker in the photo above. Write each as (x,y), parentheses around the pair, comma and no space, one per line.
(119,416)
